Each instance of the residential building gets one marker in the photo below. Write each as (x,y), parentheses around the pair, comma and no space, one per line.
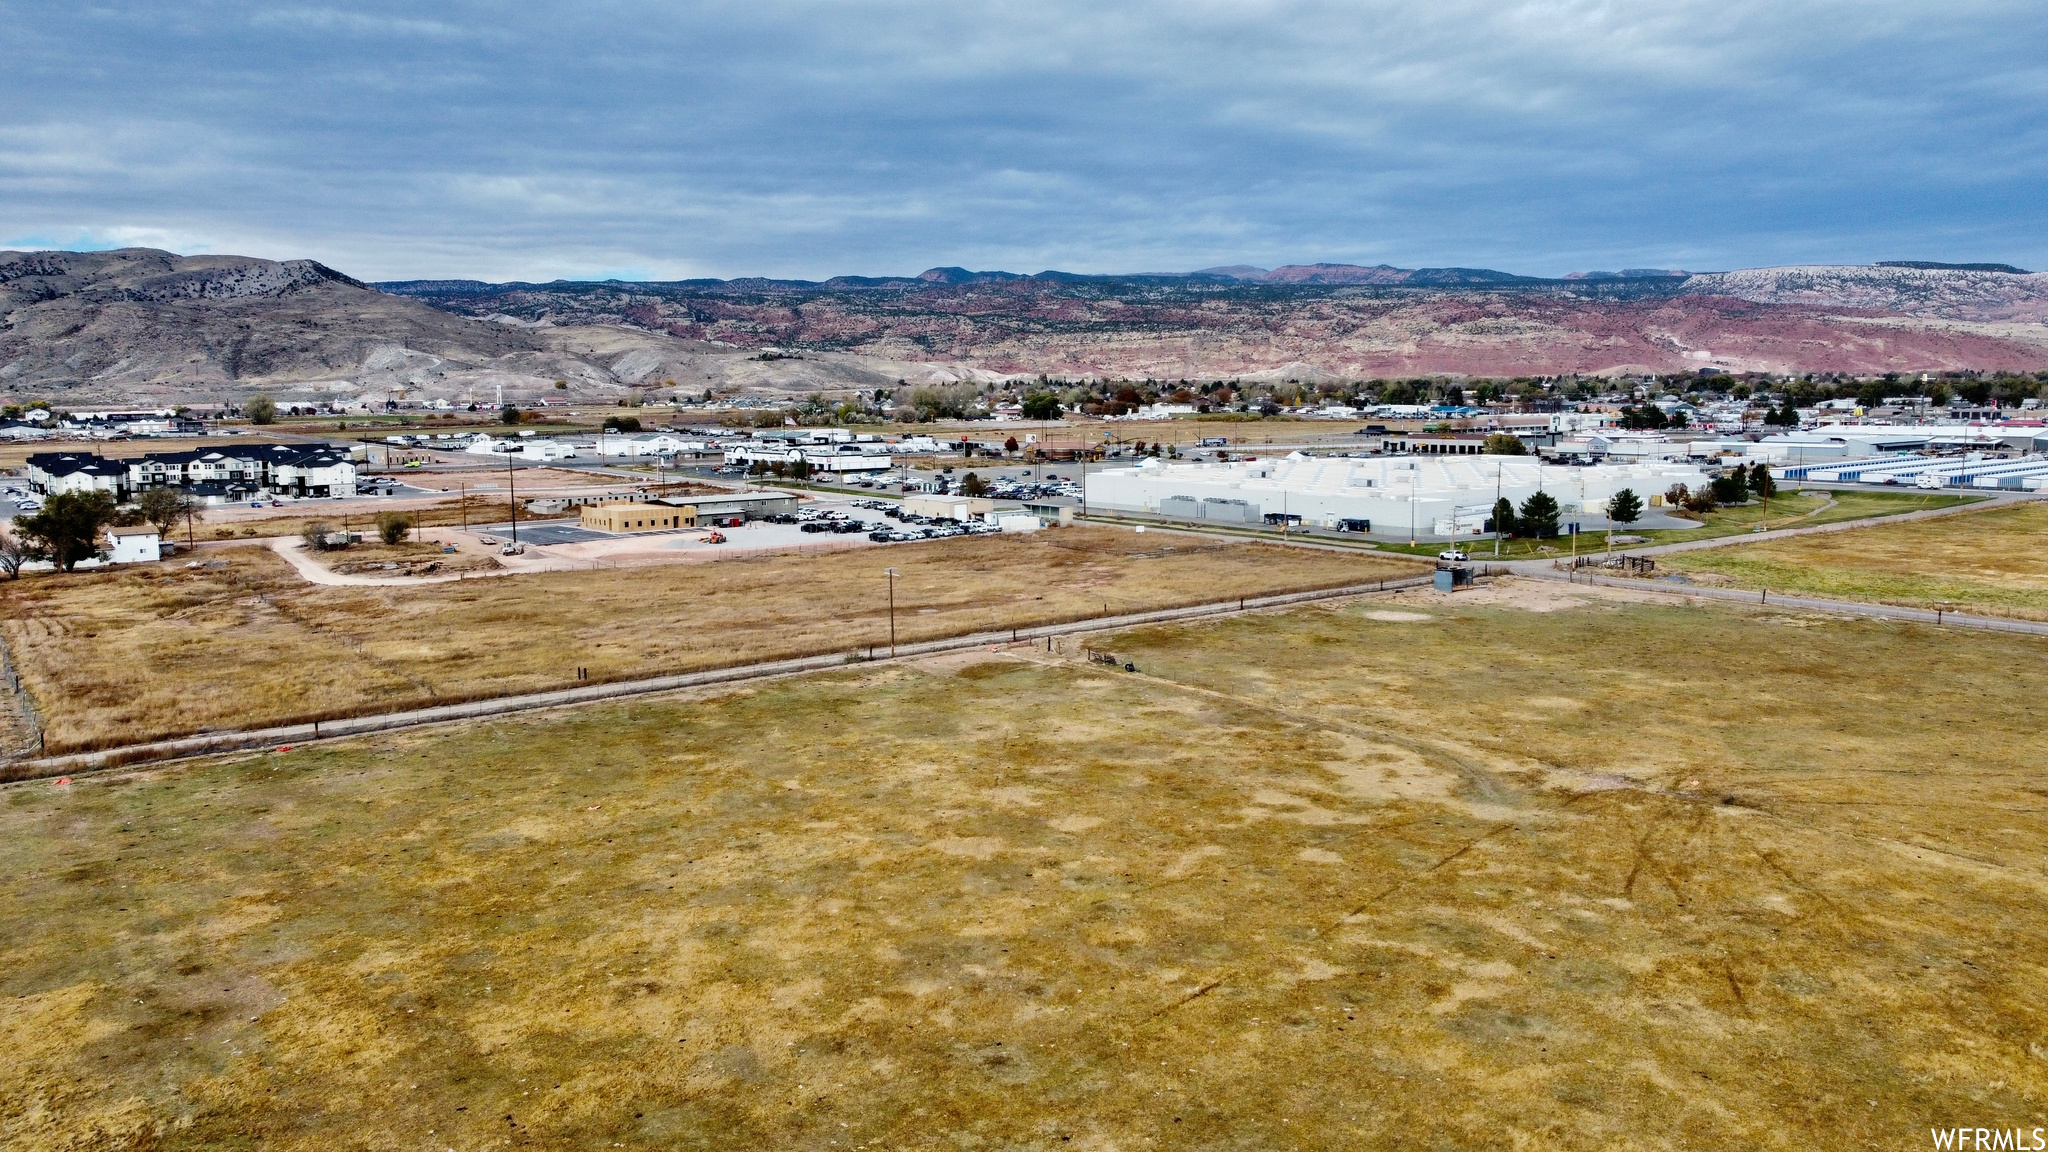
(50,473)
(235,473)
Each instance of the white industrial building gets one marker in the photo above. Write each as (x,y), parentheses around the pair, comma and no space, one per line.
(1441,496)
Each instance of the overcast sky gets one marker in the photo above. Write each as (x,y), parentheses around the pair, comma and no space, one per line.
(663,140)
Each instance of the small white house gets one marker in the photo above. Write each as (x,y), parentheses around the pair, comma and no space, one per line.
(135,545)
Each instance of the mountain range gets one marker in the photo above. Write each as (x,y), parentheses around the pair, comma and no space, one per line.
(139,326)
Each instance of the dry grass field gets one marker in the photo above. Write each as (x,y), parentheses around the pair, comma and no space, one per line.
(1990,562)
(134,653)
(1409,873)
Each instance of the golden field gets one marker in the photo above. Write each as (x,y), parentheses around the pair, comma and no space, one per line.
(122,656)
(1989,562)
(1523,869)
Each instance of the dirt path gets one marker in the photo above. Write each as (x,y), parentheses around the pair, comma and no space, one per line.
(315,572)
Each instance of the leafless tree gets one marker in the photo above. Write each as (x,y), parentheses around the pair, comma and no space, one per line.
(13,554)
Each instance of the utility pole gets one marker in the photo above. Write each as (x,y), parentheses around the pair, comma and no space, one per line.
(1497,466)
(513,484)
(891,573)
(463,499)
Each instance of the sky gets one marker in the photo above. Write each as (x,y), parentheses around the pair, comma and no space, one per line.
(643,140)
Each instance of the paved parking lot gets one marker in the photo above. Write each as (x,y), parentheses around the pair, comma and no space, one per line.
(542,532)
(755,534)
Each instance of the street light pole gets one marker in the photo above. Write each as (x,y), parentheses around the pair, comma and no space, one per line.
(891,573)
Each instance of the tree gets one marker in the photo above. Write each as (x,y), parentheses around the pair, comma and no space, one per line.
(622,424)
(1624,508)
(164,507)
(510,415)
(13,554)
(1538,516)
(392,527)
(1503,521)
(68,528)
(1010,446)
(260,410)
(1760,481)
(315,535)
(1504,444)
(1041,406)
(972,485)
(1732,488)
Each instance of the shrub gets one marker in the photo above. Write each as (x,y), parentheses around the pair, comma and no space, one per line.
(392,527)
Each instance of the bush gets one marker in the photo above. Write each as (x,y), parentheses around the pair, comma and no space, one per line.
(392,527)
(260,410)
(1502,444)
(315,534)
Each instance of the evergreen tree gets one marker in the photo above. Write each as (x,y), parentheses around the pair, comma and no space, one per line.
(1538,516)
(1625,508)
(1504,516)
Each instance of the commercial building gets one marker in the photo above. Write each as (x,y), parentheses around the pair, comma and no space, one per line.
(672,512)
(1433,496)
(949,507)
(644,516)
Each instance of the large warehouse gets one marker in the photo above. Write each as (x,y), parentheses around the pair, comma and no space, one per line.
(1438,497)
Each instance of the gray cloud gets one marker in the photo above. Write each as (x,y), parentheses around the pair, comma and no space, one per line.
(784,138)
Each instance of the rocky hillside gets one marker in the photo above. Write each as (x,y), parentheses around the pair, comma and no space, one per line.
(1941,293)
(1328,320)
(140,327)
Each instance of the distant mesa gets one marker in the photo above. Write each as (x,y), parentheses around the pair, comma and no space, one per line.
(1936,265)
(963,276)
(1630,274)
